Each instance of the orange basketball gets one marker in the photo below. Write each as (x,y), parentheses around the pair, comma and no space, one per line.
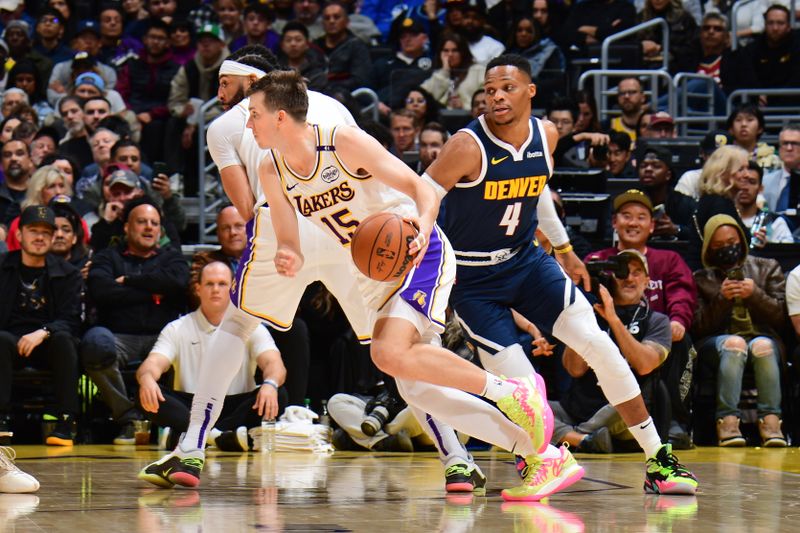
(380,246)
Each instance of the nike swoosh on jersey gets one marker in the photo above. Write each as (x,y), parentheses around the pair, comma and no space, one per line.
(292,187)
(495,161)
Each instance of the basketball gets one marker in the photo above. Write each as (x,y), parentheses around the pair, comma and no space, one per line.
(380,246)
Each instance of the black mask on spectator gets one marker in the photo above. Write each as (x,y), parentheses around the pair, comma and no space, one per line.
(727,256)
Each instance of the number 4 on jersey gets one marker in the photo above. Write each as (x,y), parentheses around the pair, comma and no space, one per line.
(511,218)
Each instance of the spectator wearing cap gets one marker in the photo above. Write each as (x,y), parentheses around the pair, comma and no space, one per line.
(307,13)
(70,236)
(46,183)
(746,126)
(583,416)
(409,67)
(138,287)
(49,38)
(740,314)
(349,63)
(658,125)
(24,75)
(772,227)
(299,53)
(88,85)
(44,143)
(671,290)
(673,214)
(689,182)
(619,155)
(196,82)
(17,169)
(13,10)
(17,36)
(180,40)
(87,44)
(39,316)
(116,47)
(258,20)
(782,186)
(144,83)
(482,46)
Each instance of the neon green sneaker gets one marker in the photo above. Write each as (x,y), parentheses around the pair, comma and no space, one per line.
(665,475)
(526,408)
(543,477)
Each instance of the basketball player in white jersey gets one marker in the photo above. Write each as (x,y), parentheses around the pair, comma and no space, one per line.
(338,176)
(238,156)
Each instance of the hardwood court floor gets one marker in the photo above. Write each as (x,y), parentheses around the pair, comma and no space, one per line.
(94,488)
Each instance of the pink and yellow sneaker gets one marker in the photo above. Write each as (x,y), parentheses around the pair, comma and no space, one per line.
(527,408)
(543,477)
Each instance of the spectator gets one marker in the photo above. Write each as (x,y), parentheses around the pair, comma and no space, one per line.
(24,75)
(116,47)
(456,77)
(297,52)
(349,63)
(75,143)
(632,102)
(671,292)
(573,149)
(405,128)
(229,13)
(66,8)
(180,41)
(773,228)
(17,35)
(49,39)
(738,318)
(563,112)
(781,189)
(145,84)
(87,45)
(771,61)
(431,139)
(361,25)
(689,183)
(583,417)
(542,53)
(45,184)
(673,214)
(258,20)
(482,47)
(422,104)
(283,13)
(17,169)
(659,126)
(138,289)
(44,143)
(549,15)
(8,126)
(181,345)
(478,106)
(587,111)
(592,21)
(619,156)
(307,13)
(160,11)
(70,236)
(11,98)
(39,318)
(682,34)
(88,85)
(746,125)
(706,57)
(409,67)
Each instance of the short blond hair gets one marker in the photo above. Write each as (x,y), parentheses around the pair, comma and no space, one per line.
(715,177)
(41,179)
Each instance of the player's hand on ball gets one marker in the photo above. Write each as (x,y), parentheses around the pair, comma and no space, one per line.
(419,246)
(288,262)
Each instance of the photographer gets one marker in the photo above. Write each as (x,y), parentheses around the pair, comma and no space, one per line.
(741,309)
(583,417)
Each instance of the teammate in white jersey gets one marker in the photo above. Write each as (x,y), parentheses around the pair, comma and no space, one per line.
(258,291)
(338,176)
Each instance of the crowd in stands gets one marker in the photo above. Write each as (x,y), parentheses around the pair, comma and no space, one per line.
(101,114)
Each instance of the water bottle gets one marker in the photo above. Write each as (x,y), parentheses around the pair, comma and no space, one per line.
(325,420)
(267,435)
(759,221)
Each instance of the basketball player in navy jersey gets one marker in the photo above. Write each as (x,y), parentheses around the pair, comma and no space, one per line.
(493,173)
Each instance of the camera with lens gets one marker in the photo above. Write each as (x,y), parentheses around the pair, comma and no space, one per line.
(380,410)
(601,272)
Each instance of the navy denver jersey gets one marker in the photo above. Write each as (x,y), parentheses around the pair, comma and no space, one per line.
(498,210)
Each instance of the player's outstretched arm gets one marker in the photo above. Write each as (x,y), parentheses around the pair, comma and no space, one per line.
(459,160)
(288,257)
(360,151)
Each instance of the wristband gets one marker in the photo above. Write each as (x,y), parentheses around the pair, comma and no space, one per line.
(270,382)
(564,249)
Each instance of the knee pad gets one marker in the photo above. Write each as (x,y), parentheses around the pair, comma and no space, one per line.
(510,362)
(238,323)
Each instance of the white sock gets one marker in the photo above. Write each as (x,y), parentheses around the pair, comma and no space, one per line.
(497,388)
(647,437)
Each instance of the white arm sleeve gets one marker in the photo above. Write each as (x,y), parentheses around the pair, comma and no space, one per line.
(441,192)
(223,136)
(549,222)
